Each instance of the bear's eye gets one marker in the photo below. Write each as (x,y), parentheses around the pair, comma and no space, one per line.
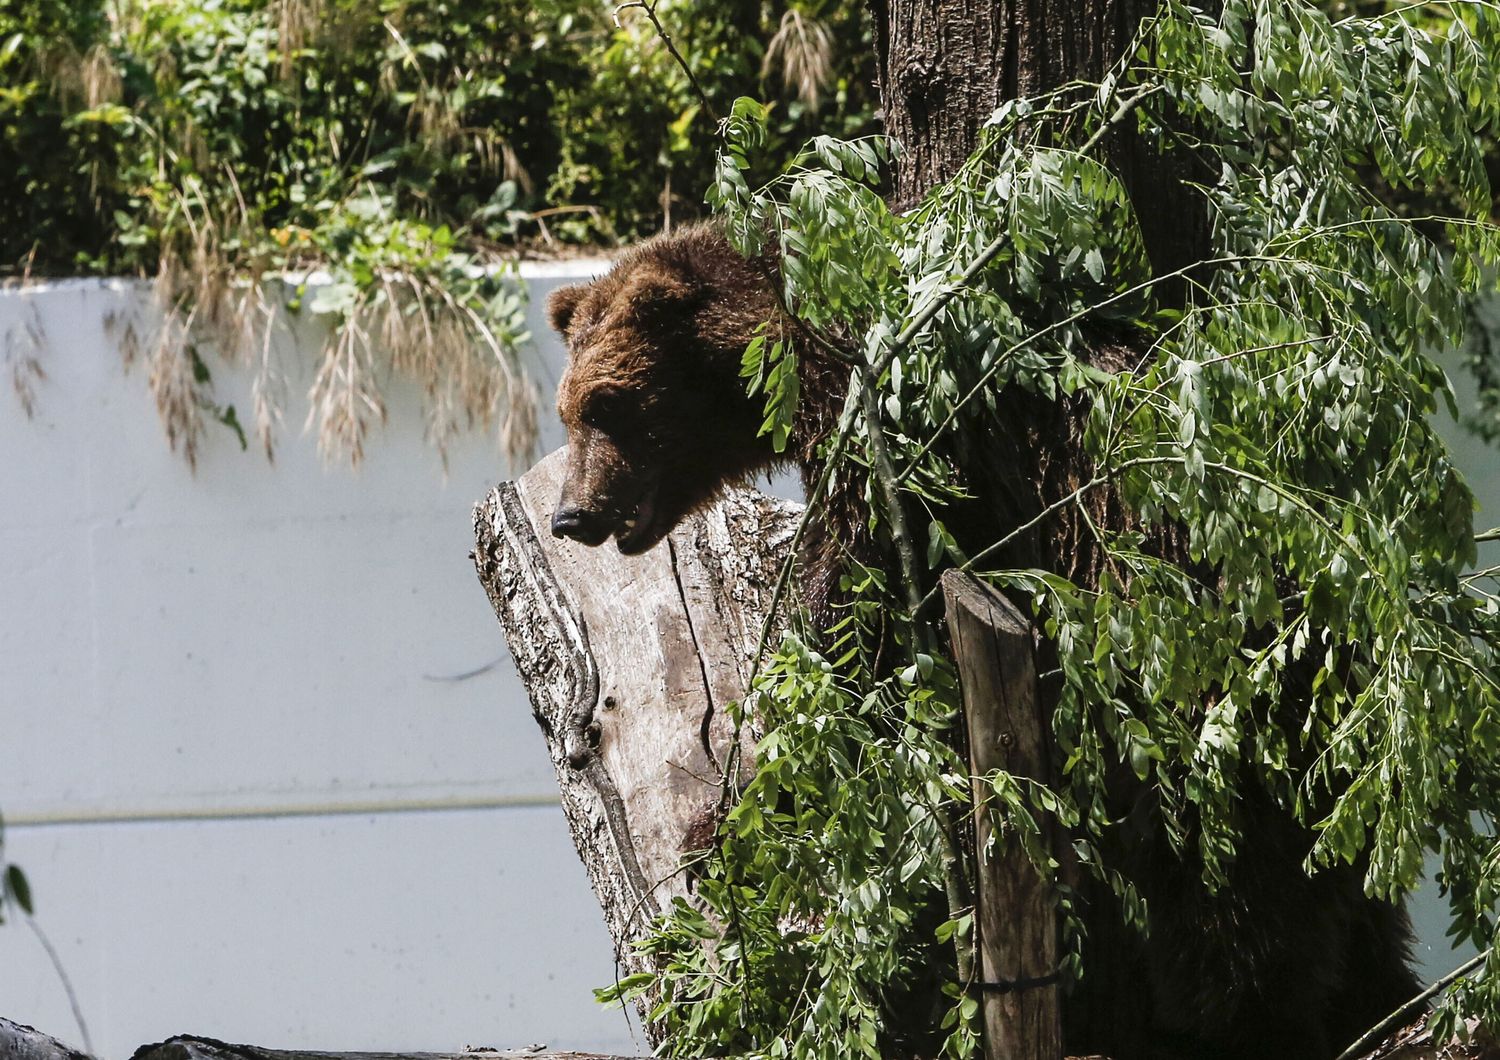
(610,409)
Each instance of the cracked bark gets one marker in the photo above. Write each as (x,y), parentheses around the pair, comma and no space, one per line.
(629,661)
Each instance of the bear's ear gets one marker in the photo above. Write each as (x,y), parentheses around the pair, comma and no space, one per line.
(561,303)
(656,290)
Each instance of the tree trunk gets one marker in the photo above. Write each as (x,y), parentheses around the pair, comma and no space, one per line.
(945,65)
(631,663)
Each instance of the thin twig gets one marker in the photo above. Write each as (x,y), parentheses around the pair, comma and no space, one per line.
(823,342)
(1062,502)
(955,883)
(649,6)
(778,591)
(67,984)
(1396,1018)
(885,474)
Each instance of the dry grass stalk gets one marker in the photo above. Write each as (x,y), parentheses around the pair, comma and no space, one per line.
(411,327)
(408,326)
(268,382)
(435,123)
(173,381)
(345,395)
(803,48)
(127,336)
(23,342)
(89,79)
(469,377)
(511,167)
(100,77)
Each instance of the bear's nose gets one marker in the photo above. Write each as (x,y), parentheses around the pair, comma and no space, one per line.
(582,526)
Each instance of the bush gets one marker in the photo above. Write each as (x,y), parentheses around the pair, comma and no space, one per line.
(404,146)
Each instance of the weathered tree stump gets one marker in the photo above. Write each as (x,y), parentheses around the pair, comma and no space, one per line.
(631,662)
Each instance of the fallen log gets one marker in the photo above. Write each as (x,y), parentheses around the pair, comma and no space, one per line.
(190,1047)
(20,1042)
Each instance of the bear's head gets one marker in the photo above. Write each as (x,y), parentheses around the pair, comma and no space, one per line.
(657,416)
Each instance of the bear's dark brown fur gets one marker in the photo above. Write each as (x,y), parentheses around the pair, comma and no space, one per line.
(1276,964)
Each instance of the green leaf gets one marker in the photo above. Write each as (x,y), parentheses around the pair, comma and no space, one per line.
(18,888)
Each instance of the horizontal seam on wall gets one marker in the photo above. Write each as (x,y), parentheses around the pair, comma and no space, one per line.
(251,812)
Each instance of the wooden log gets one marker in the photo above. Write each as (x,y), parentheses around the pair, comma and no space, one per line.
(1015,915)
(19,1042)
(192,1047)
(630,663)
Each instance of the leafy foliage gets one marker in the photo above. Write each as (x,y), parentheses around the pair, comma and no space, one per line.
(1282,421)
(636,145)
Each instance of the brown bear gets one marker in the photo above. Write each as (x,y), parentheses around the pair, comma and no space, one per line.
(1277,963)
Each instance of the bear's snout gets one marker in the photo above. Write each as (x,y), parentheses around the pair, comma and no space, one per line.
(585,527)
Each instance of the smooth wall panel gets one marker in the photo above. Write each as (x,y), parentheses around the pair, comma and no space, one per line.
(404,931)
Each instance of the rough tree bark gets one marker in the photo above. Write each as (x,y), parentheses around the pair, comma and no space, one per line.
(631,663)
(945,65)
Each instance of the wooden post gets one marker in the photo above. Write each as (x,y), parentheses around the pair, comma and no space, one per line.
(1015,915)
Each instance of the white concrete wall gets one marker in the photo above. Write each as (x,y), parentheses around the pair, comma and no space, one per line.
(249,799)
(249,802)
